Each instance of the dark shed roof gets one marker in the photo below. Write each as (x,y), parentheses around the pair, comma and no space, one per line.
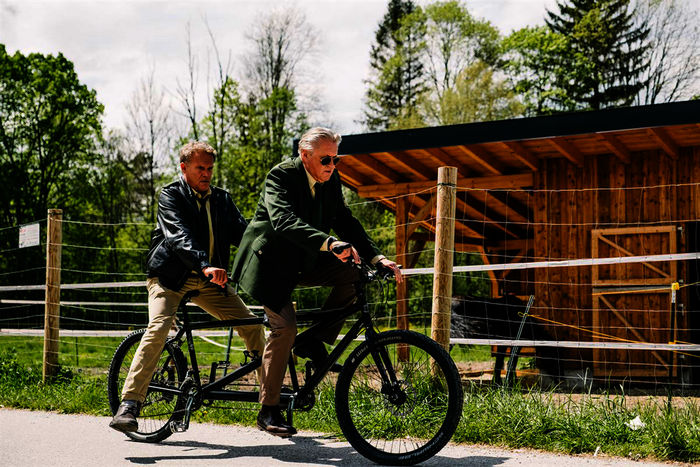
(505,154)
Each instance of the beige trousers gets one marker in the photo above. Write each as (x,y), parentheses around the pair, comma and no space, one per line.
(162,307)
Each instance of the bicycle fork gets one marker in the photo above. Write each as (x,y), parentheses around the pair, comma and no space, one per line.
(391,386)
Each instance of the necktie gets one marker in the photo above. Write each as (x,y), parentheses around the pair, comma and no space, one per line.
(203,224)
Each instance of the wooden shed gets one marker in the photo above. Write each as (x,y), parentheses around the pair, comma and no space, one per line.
(613,183)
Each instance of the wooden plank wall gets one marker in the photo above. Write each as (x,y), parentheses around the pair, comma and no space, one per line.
(567,208)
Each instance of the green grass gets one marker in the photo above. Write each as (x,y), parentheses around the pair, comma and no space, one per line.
(579,424)
(93,354)
(81,352)
(545,420)
(471,353)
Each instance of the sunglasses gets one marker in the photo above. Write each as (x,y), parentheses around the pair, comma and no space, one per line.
(326,160)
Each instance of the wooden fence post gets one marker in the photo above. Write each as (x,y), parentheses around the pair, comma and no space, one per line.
(444,254)
(401,249)
(53,293)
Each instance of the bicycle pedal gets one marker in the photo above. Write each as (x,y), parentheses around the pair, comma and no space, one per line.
(215,366)
(178,426)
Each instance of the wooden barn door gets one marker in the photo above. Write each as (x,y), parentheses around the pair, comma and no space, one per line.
(632,302)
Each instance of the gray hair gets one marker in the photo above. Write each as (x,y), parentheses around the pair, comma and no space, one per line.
(193,147)
(311,138)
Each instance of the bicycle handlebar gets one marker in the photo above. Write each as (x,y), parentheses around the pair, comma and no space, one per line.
(384,272)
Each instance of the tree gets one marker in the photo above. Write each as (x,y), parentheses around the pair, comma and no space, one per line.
(397,79)
(49,124)
(477,95)
(151,135)
(219,121)
(110,199)
(219,128)
(456,46)
(188,92)
(532,61)
(281,40)
(604,62)
(263,114)
(254,156)
(460,56)
(674,56)
(454,41)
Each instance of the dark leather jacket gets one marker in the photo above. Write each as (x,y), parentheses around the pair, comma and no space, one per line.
(175,251)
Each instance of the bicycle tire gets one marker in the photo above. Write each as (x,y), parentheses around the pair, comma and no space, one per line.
(158,410)
(414,421)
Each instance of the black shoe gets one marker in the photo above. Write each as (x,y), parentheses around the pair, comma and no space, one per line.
(316,351)
(270,419)
(125,418)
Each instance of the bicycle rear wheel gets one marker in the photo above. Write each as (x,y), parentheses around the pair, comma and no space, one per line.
(402,420)
(160,408)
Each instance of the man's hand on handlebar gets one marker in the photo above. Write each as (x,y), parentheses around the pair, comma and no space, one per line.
(345,252)
(216,276)
(389,264)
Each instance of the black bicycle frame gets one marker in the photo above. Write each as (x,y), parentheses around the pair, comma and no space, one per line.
(214,390)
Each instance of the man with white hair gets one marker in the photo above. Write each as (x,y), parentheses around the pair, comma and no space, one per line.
(288,243)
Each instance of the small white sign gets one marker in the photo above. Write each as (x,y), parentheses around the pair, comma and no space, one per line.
(29,235)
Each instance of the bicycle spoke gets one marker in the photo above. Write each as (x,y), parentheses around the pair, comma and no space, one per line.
(399,408)
(159,408)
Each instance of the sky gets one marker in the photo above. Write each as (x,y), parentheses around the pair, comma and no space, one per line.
(115,44)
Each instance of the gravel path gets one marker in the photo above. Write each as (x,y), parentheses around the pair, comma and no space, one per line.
(48,439)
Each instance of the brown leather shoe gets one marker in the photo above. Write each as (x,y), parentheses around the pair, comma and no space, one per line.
(270,419)
(125,418)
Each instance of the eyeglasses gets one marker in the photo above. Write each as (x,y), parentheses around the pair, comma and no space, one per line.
(326,160)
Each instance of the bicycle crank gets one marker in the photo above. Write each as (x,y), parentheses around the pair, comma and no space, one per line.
(305,400)
(191,403)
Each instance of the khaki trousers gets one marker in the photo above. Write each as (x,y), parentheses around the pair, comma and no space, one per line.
(162,307)
(329,271)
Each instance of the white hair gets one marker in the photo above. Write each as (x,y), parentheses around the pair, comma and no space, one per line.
(311,138)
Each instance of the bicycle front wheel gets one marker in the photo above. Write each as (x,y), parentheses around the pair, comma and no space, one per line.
(161,406)
(399,398)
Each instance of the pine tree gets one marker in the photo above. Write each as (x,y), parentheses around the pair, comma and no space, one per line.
(605,58)
(395,60)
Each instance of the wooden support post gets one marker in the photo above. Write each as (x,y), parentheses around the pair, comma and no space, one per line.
(402,208)
(401,258)
(53,293)
(444,254)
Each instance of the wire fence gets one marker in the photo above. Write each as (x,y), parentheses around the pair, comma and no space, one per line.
(628,314)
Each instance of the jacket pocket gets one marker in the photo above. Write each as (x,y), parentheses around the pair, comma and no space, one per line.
(259,246)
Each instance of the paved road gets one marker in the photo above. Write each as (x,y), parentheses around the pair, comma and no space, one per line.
(48,439)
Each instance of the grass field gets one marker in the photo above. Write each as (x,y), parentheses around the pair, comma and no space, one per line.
(549,420)
(93,354)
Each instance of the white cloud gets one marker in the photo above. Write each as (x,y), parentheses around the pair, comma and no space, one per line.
(113,44)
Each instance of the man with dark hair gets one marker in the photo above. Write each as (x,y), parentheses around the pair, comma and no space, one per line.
(288,243)
(190,249)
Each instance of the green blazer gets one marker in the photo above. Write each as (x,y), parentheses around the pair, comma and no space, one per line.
(284,238)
